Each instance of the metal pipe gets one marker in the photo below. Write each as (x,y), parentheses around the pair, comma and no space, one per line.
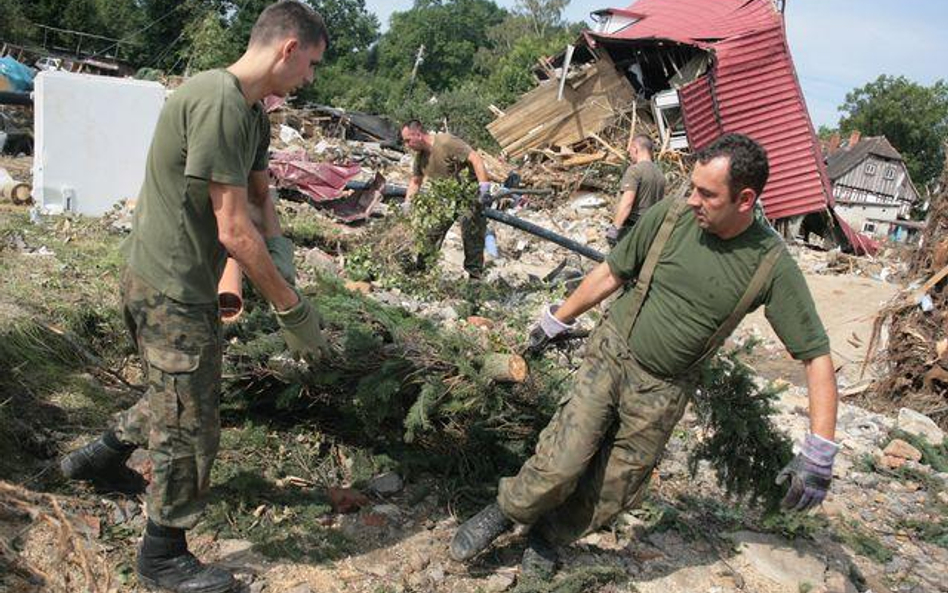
(541,232)
(508,219)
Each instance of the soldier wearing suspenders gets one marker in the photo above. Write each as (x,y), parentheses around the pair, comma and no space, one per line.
(699,265)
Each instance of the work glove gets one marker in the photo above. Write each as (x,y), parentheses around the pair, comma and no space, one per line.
(612,235)
(810,474)
(484,195)
(281,252)
(546,328)
(302,331)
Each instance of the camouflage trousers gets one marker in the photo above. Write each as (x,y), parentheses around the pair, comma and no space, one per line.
(178,417)
(473,233)
(594,458)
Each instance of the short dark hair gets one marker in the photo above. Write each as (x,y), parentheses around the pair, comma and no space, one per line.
(414,125)
(748,166)
(289,18)
(645,143)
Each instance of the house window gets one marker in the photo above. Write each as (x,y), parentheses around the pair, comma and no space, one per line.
(868,227)
(889,173)
(870,169)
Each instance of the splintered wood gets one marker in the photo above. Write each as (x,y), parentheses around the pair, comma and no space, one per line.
(592,97)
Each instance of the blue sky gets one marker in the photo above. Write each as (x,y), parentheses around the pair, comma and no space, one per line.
(837,45)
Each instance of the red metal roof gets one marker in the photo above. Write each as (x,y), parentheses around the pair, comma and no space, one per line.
(751,88)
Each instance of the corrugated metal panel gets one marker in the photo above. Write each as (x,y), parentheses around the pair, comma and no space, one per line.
(752,89)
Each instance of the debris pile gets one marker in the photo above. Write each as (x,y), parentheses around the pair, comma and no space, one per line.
(911,333)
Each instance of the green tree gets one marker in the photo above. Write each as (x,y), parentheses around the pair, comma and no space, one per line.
(913,117)
(15,25)
(208,45)
(451,32)
(352,28)
(543,15)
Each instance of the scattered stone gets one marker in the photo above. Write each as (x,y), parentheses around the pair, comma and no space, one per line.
(776,558)
(919,425)
(319,259)
(832,508)
(301,588)
(838,583)
(498,582)
(233,547)
(374,520)
(347,500)
(890,462)
(436,574)
(899,448)
(257,587)
(481,322)
(386,484)
(354,286)
(389,511)
(418,562)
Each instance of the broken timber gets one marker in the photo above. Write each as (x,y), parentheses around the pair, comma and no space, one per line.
(591,99)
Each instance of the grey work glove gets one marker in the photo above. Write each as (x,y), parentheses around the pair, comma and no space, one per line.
(612,235)
(810,474)
(281,252)
(302,331)
(546,328)
(484,195)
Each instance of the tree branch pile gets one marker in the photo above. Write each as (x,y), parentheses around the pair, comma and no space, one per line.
(910,337)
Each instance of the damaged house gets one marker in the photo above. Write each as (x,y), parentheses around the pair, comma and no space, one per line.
(872,187)
(699,68)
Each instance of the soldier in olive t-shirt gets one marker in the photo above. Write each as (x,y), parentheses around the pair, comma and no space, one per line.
(439,156)
(641,364)
(642,186)
(206,131)
(204,197)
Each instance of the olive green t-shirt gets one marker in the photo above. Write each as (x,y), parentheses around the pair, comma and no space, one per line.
(648,182)
(696,285)
(447,158)
(206,132)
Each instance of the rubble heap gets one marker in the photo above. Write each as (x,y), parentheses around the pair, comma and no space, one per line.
(914,328)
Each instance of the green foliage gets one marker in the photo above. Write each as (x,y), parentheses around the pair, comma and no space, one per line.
(209,47)
(862,541)
(450,30)
(935,532)
(912,116)
(743,446)
(437,207)
(794,525)
(578,580)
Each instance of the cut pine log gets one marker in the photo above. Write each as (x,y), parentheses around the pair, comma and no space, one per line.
(504,368)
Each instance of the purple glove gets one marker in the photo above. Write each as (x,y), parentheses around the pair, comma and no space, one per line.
(810,474)
(483,194)
(612,235)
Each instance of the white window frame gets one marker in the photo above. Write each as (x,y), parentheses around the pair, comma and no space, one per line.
(870,169)
(889,173)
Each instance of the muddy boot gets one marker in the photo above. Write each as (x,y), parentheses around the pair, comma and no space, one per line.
(164,564)
(539,559)
(478,532)
(102,462)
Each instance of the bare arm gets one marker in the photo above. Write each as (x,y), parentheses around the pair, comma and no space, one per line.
(821,383)
(239,236)
(262,209)
(626,201)
(596,286)
(480,170)
(414,184)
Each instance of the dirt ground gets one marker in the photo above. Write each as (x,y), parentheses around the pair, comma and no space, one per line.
(848,306)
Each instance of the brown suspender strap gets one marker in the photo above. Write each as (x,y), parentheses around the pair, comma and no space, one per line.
(640,290)
(754,287)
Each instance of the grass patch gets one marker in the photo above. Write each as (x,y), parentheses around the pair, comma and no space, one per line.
(935,456)
(934,532)
(584,579)
(862,541)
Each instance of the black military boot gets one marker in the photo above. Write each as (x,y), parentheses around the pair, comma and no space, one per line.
(165,564)
(539,559)
(478,532)
(102,462)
